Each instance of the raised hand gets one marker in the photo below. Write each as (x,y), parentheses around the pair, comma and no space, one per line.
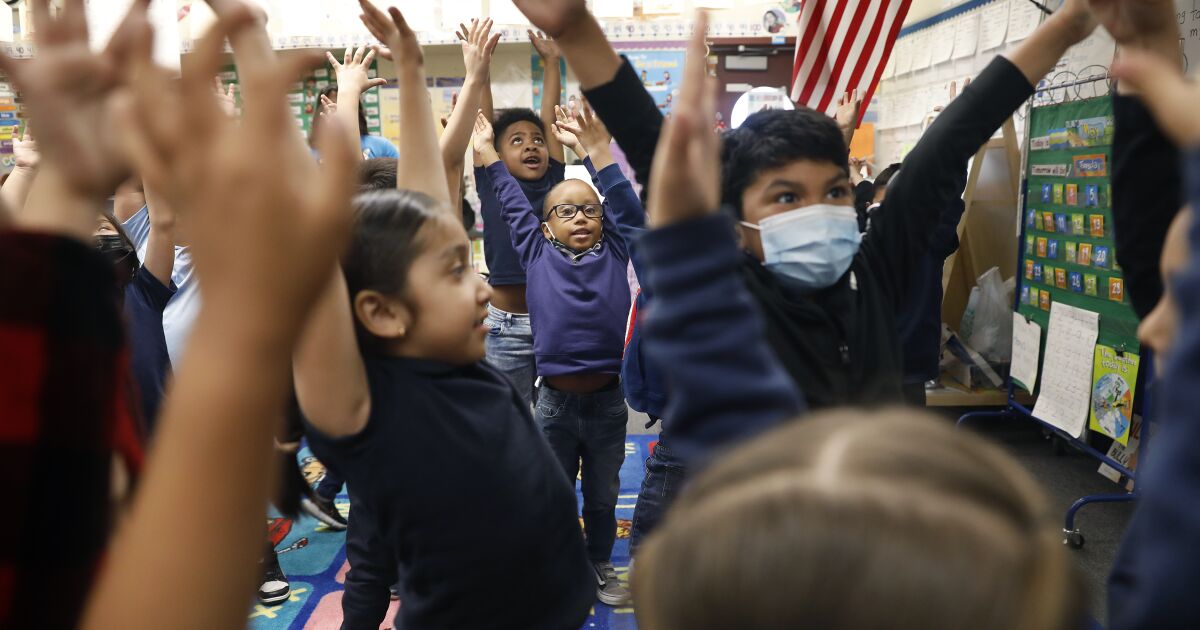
(554,17)
(352,72)
(478,44)
(248,219)
(484,139)
(225,96)
(67,88)
(588,128)
(1131,22)
(685,181)
(562,119)
(393,30)
(1164,89)
(545,47)
(25,151)
(848,109)
(328,106)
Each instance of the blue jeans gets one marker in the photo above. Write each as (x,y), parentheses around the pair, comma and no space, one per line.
(664,479)
(591,428)
(510,349)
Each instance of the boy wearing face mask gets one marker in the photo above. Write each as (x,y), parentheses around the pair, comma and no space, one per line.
(829,297)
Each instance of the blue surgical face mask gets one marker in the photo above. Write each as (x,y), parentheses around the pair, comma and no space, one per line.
(813,246)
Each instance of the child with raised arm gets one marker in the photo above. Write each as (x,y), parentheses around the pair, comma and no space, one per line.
(575,258)
(818,523)
(535,158)
(391,379)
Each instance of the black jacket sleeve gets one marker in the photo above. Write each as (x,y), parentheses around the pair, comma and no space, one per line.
(935,172)
(631,116)
(1147,190)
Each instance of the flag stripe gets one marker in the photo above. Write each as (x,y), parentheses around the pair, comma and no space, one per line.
(840,49)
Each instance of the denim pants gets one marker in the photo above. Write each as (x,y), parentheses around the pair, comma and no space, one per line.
(510,349)
(664,479)
(589,428)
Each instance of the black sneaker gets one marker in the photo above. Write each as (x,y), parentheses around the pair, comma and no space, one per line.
(323,510)
(394,591)
(610,590)
(275,588)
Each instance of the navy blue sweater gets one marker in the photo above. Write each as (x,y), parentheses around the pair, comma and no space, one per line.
(725,383)
(577,306)
(504,267)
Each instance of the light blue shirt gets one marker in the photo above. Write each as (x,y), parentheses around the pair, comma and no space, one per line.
(376,147)
(183,307)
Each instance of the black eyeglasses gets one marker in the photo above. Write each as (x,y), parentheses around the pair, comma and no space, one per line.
(569,210)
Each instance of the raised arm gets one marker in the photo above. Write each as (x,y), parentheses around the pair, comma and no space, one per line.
(1144,158)
(262,249)
(551,88)
(935,172)
(415,171)
(1157,584)
(525,226)
(352,80)
(20,180)
(625,209)
(610,84)
(847,115)
(726,383)
(477,46)
(160,244)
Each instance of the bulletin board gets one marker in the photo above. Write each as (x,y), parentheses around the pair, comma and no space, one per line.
(1068,254)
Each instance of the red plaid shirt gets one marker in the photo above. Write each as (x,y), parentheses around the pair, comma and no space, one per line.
(64,413)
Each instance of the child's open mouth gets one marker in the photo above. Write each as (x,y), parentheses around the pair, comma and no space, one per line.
(532,161)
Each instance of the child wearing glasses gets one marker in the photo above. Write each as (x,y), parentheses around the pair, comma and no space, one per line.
(575,252)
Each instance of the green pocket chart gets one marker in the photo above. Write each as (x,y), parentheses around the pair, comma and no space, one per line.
(1068,200)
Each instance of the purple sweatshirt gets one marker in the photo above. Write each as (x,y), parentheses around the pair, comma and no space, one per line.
(577,308)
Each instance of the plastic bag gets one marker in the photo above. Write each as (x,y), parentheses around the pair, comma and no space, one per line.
(991,319)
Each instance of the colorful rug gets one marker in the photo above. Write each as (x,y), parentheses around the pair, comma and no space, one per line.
(314,558)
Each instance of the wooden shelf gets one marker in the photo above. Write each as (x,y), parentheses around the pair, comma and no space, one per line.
(954,394)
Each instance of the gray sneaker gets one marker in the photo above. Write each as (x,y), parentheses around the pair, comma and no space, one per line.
(610,590)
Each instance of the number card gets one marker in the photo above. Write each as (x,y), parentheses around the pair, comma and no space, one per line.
(1058,194)
(1078,225)
(1116,289)
(1037,272)
(1076,280)
(1037,220)
(1047,193)
(1060,223)
(1060,277)
(1084,255)
(1029,218)
(1044,300)
(1052,249)
(1089,284)
(1029,270)
(1069,251)
(1025,295)
(1100,257)
(1041,247)
(1072,194)
(1097,223)
(1048,221)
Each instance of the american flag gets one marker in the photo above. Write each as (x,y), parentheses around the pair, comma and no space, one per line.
(843,45)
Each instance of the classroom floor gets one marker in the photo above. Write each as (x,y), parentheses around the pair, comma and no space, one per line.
(314,557)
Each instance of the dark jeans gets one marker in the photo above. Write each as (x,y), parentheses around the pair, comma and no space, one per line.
(664,479)
(372,570)
(591,428)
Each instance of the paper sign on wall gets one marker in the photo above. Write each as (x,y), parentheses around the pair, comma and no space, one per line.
(966,35)
(993,24)
(1067,370)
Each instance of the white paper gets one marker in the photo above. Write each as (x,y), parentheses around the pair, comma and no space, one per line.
(966,35)
(505,12)
(903,53)
(455,12)
(943,42)
(993,24)
(1026,350)
(612,8)
(1023,17)
(6,24)
(104,16)
(662,7)
(889,69)
(921,50)
(1067,369)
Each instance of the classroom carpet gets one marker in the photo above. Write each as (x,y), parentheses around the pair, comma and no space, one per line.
(314,558)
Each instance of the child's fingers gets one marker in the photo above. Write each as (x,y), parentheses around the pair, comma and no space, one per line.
(141,151)
(332,60)
(491,44)
(127,37)
(694,69)
(400,22)
(377,82)
(359,55)
(73,18)
(40,13)
(368,57)
(200,106)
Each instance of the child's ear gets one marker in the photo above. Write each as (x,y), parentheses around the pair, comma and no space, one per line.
(546,231)
(382,316)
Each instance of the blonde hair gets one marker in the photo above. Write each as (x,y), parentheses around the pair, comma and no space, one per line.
(854,520)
